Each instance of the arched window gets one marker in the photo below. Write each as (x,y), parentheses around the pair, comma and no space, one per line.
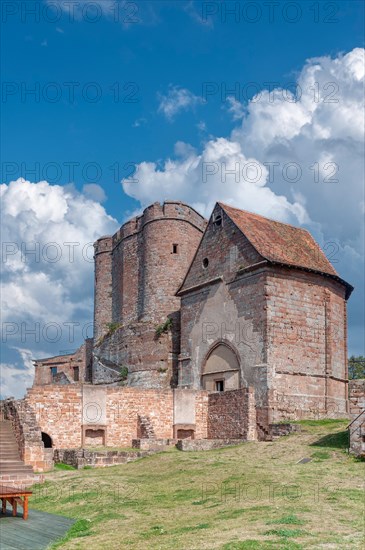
(221,369)
(47,440)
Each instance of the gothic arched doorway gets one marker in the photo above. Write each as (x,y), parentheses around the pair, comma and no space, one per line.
(221,369)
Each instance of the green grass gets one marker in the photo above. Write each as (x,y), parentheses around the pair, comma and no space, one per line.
(285,532)
(261,545)
(321,455)
(292,519)
(80,529)
(253,496)
(62,466)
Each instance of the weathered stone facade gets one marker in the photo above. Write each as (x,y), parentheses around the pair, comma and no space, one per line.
(65,369)
(137,273)
(283,326)
(203,330)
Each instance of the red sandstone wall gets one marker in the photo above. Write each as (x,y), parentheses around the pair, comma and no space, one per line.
(59,411)
(306,344)
(65,363)
(230,310)
(231,415)
(146,276)
(102,286)
(201,415)
(125,404)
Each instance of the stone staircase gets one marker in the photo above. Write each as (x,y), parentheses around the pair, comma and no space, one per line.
(13,471)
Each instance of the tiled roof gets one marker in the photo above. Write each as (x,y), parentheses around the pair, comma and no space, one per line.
(280,242)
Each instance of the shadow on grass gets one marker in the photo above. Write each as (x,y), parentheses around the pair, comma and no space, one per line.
(339,440)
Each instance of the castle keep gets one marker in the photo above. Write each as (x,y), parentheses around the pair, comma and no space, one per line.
(213,329)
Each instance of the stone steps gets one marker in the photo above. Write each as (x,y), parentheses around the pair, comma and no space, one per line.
(13,471)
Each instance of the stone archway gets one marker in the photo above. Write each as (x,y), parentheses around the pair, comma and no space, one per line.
(221,369)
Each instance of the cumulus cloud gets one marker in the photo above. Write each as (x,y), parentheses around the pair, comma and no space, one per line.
(235,108)
(94,192)
(47,264)
(293,155)
(47,237)
(15,377)
(177,100)
(202,179)
(297,156)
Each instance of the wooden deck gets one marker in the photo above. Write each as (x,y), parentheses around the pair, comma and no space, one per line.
(38,532)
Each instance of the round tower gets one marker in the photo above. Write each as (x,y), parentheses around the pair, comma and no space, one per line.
(150,257)
(171,233)
(102,286)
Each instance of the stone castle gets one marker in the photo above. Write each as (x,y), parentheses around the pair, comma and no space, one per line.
(203,330)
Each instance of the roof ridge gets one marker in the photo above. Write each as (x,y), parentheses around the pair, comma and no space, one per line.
(265,217)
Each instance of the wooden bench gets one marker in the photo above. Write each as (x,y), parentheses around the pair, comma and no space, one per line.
(15,496)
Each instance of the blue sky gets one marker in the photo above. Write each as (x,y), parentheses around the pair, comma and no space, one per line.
(162,64)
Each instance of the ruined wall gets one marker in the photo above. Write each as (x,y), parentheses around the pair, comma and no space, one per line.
(306,345)
(27,434)
(66,364)
(58,411)
(150,257)
(65,412)
(357,414)
(232,414)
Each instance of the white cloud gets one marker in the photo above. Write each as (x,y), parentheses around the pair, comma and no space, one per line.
(94,191)
(235,108)
(177,100)
(15,378)
(315,136)
(47,234)
(202,127)
(139,122)
(203,179)
(47,265)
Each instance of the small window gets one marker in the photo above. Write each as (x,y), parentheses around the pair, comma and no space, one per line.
(175,248)
(53,371)
(76,374)
(219,385)
(217,221)
(205,263)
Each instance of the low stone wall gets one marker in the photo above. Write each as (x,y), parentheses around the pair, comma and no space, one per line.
(232,414)
(79,458)
(21,481)
(153,444)
(65,412)
(280,429)
(206,444)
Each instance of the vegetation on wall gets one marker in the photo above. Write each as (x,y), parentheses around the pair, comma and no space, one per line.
(124,373)
(163,328)
(112,327)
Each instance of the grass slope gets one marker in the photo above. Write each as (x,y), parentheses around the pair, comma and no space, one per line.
(253,496)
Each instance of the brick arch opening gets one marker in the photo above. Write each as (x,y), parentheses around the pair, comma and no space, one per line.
(221,369)
(47,440)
